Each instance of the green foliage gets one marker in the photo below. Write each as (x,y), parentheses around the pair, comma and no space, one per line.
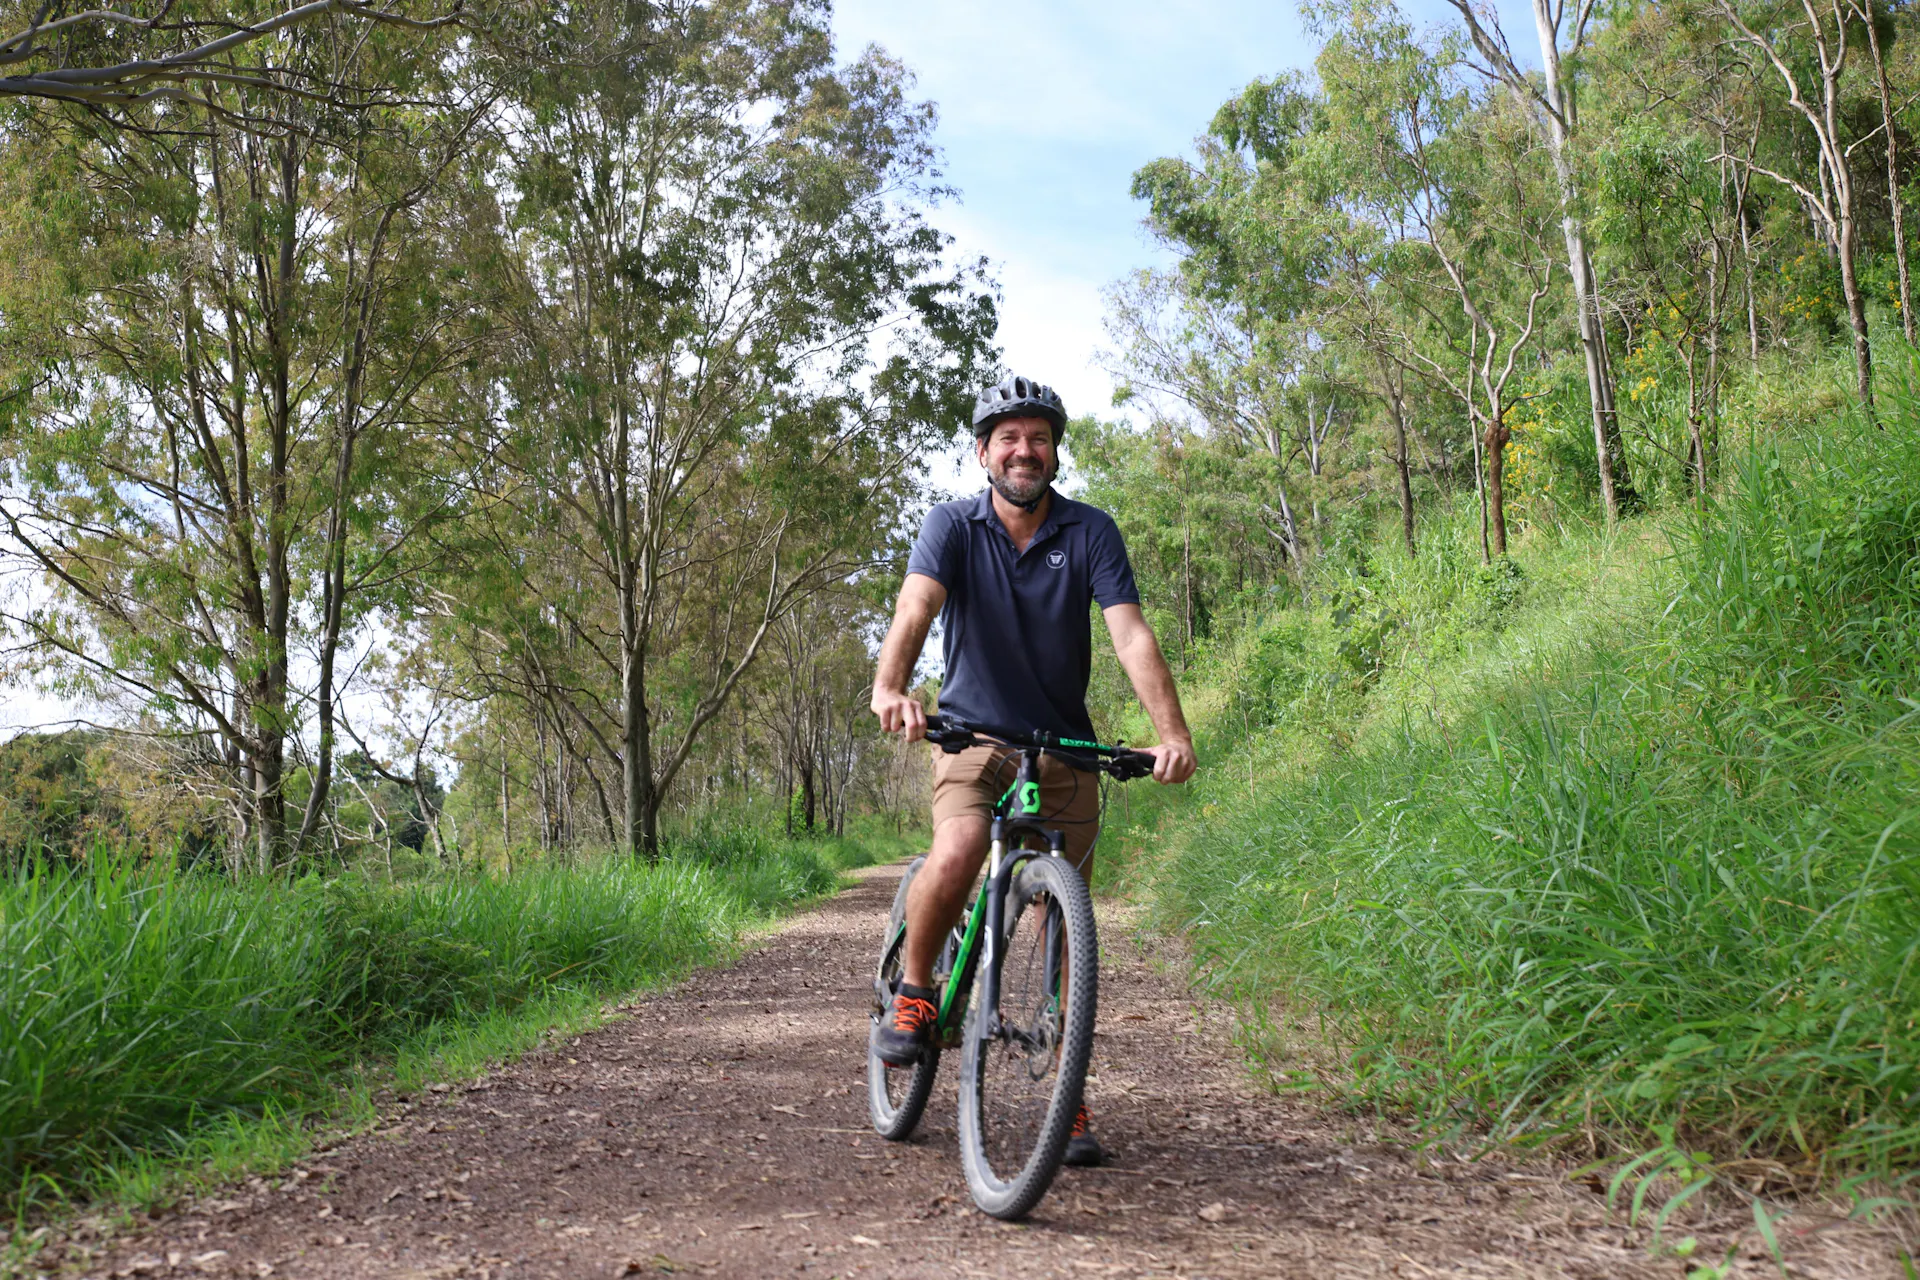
(138,1006)
(50,797)
(1617,847)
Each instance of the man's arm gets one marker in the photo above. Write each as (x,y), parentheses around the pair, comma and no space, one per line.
(1146,666)
(921,599)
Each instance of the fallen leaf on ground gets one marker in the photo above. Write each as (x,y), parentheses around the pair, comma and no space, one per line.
(792,1111)
(1215,1212)
(871,1244)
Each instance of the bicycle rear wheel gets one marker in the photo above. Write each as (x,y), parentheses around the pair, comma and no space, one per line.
(896,1096)
(1021,1083)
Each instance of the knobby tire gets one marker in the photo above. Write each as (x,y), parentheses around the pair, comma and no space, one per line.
(1019,1096)
(897,1096)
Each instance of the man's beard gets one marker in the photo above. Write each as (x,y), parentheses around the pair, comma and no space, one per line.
(1021,490)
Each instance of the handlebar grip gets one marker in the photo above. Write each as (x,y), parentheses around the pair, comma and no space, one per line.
(948,734)
(1134,764)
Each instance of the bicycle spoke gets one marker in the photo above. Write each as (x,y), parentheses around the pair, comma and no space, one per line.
(1020,1068)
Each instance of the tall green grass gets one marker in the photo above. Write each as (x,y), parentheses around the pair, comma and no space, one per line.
(138,1008)
(1643,861)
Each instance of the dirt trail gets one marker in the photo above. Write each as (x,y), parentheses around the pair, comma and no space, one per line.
(720,1129)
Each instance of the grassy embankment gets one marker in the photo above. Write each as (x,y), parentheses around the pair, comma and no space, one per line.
(157,1029)
(1622,849)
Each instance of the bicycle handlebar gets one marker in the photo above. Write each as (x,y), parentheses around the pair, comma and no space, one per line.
(1120,763)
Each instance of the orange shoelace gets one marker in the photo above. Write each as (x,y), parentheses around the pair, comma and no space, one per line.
(1082,1121)
(911,1013)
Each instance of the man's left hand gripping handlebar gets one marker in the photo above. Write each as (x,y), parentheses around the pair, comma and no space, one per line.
(1172,761)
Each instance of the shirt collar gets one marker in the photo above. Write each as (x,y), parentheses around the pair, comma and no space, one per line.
(1063,511)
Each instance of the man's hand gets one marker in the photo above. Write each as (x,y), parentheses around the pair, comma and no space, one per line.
(920,601)
(901,713)
(1172,761)
(1146,666)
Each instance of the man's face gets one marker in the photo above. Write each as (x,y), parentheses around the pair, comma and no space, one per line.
(1020,459)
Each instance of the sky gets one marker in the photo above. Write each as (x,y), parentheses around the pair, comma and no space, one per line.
(1046,111)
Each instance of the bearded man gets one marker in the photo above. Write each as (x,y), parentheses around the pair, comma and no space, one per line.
(1011,574)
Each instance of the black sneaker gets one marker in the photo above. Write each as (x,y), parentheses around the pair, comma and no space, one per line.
(1083,1149)
(902,1035)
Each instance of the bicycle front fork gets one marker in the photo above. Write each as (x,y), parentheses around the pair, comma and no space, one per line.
(1000,871)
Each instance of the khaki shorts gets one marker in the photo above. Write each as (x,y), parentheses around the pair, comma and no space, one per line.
(974,780)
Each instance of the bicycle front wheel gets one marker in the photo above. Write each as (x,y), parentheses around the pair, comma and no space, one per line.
(896,1096)
(1021,1081)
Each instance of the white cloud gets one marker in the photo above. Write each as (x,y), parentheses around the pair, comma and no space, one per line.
(1046,112)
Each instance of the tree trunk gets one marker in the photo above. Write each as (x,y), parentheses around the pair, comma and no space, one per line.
(1856,302)
(1834,206)
(1742,184)
(506,804)
(1480,487)
(1696,438)
(1403,462)
(1186,574)
(1293,551)
(269,801)
(641,836)
(1616,483)
(542,790)
(1893,176)
(270,705)
(1496,446)
(806,793)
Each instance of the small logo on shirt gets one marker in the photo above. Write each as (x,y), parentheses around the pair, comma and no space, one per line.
(1056,558)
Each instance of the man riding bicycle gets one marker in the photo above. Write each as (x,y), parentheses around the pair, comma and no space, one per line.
(1010,574)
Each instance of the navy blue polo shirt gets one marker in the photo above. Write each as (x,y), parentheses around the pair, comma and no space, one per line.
(1019,641)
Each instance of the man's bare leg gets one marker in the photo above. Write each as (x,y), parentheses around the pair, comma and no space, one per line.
(940,892)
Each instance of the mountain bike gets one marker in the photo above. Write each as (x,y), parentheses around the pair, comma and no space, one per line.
(1018,981)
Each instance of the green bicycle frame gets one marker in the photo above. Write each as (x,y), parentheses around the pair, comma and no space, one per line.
(1016,813)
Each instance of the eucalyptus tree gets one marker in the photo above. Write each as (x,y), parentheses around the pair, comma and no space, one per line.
(734,333)
(1453,182)
(225,339)
(1663,212)
(1808,47)
(1233,333)
(1338,258)
(1551,99)
(1242,384)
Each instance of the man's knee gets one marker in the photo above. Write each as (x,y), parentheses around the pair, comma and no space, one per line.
(959,842)
(959,847)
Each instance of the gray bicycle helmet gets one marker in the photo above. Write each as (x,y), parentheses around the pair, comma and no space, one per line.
(1018,397)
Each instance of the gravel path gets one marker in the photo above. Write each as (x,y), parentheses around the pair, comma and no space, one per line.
(720,1129)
